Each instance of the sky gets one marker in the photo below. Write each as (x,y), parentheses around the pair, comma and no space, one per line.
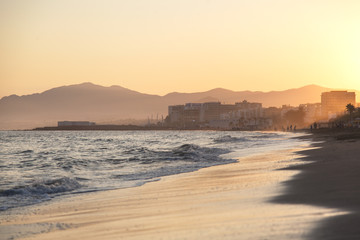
(162,46)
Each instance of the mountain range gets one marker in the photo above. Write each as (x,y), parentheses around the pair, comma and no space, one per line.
(116,104)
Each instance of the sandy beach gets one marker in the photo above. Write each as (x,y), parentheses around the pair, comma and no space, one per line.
(312,194)
(330,179)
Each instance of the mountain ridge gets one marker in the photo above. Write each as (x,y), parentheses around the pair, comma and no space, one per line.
(87,84)
(88,101)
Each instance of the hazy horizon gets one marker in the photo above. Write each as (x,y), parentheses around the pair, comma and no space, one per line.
(162,95)
(158,47)
(179,119)
(114,105)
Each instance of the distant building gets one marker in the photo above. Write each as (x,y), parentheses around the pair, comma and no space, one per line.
(210,111)
(176,113)
(287,108)
(248,110)
(75,123)
(272,112)
(192,114)
(334,103)
(216,115)
(312,112)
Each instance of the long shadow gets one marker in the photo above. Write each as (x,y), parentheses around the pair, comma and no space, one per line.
(331,179)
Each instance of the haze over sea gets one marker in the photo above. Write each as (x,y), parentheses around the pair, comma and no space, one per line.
(38,166)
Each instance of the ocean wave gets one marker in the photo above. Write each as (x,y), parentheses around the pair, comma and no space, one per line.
(107,160)
(230,139)
(196,153)
(70,163)
(265,136)
(137,150)
(184,152)
(108,140)
(186,149)
(26,151)
(53,186)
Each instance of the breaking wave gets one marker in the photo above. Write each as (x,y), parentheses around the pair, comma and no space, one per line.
(228,138)
(62,163)
(36,192)
(44,187)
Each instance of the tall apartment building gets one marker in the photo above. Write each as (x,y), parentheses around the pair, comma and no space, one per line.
(334,103)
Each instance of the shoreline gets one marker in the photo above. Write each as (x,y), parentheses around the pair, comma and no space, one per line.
(220,202)
(331,178)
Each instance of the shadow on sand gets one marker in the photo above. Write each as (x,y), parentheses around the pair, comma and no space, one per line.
(331,179)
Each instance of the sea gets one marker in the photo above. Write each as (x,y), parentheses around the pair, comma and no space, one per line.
(38,166)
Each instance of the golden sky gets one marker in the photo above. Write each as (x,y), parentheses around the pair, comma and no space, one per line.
(160,46)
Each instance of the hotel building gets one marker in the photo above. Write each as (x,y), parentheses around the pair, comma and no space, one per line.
(334,103)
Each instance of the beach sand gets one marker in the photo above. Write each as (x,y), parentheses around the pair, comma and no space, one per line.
(331,179)
(233,201)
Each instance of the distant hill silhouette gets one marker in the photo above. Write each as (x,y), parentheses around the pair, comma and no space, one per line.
(92,102)
(294,97)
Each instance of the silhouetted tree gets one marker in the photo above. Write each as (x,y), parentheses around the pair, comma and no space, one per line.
(350,108)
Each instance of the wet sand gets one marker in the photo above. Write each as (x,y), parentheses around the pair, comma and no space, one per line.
(331,179)
(233,201)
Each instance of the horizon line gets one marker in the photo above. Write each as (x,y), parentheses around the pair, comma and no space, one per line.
(173,92)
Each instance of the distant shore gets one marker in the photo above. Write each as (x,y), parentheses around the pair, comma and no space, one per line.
(102,128)
(131,127)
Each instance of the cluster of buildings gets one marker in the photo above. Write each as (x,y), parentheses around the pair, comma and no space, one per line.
(248,115)
(333,104)
(242,115)
(252,116)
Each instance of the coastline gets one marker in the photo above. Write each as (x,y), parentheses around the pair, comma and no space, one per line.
(331,179)
(229,201)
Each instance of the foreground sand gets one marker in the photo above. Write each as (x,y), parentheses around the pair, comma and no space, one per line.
(222,202)
(330,179)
